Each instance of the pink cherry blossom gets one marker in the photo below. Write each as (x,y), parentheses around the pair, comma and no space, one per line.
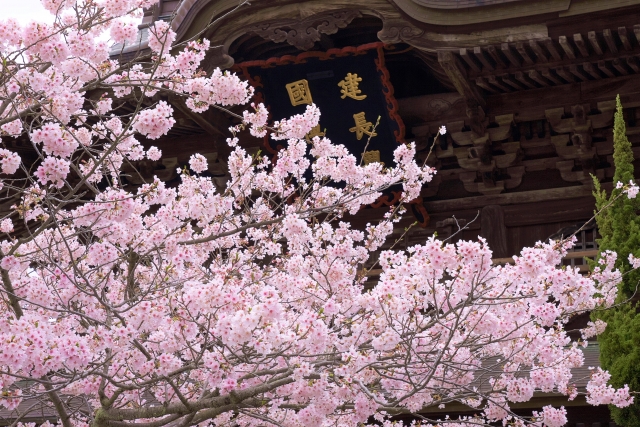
(632,190)
(158,295)
(198,163)
(55,140)
(13,128)
(53,170)
(54,6)
(553,417)
(9,161)
(257,120)
(153,153)
(122,31)
(9,262)
(161,37)
(6,225)
(601,393)
(155,122)
(593,329)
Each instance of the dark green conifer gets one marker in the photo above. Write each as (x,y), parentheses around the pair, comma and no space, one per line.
(619,227)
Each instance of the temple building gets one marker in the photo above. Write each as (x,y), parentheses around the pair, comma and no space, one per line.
(525,88)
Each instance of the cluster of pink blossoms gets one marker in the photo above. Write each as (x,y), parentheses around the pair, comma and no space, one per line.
(124,31)
(155,122)
(599,392)
(162,304)
(198,163)
(552,417)
(9,161)
(161,37)
(13,128)
(53,170)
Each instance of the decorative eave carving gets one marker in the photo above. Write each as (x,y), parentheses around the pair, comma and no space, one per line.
(304,34)
(398,31)
(216,57)
(431,12)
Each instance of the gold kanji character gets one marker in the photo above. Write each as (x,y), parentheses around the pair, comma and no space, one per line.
(362,126)
(350,87)
(299,92)
(315,131)
(371,157)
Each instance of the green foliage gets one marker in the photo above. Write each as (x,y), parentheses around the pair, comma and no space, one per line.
(619,227)
(620,355)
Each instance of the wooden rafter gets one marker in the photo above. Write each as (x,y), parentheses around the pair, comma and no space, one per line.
(458,77)
(543,62)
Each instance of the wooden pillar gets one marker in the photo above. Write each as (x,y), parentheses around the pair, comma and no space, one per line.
(493,229)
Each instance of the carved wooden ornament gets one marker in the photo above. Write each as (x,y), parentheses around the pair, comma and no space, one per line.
(304,34)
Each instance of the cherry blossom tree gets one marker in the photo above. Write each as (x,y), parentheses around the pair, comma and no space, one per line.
(159,305)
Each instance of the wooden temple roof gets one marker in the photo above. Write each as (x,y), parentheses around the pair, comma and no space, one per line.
(525,88)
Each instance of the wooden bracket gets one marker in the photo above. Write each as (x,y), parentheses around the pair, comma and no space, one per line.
(456,73)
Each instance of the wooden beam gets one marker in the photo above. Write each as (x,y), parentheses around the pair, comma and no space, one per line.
(636,31)
(576,72)
(508,198)
(547,74)
(608,39)
(496,56)
(618,65)
(588,67)
(508,80)
(580,209)
(565,75)
(548,43)
(602,65)
(535,76)
(524,80)
(624,38)
(595,44)
(582,47)
(464,54)
(496,83)
(606,90)
(537,49)
(480,81)
(568,50)
(531,104)
(477,51)
(506,50)
(522,50)
(632,62)
(421,107)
